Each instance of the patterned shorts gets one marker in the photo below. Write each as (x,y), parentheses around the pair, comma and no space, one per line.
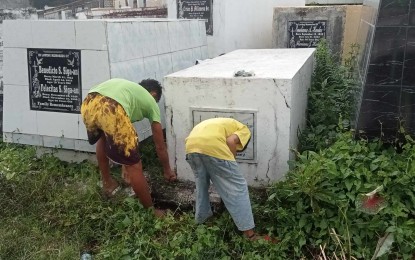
(103,115)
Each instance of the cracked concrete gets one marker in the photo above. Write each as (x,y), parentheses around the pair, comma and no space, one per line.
(278,88)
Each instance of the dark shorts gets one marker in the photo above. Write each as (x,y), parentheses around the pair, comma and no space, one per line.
(104,116)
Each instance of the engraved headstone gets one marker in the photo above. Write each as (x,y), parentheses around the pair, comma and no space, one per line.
(303,27)
(196,9)
(55,80)
(305,34)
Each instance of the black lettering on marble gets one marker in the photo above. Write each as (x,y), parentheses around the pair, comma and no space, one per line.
(196,9)
(305,34)
(55,80)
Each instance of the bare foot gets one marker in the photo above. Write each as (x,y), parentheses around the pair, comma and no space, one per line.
(170,176)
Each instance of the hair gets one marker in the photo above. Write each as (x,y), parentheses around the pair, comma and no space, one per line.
(152,85)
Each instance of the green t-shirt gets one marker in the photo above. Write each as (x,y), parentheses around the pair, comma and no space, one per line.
(136,100)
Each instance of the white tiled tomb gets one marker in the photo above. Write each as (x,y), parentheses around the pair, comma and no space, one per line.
(134,49)
(272,103)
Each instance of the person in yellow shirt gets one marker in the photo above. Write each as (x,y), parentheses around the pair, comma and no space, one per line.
(210,151)
(108,112)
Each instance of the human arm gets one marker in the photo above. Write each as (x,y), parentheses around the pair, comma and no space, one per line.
(232,141)
(239,138)
(161,150)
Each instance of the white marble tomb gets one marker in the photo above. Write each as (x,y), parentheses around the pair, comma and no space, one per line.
(272,103)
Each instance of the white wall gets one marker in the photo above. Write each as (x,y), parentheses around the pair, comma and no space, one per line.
(133,49)
(29,14)
(1,61)
(240,24)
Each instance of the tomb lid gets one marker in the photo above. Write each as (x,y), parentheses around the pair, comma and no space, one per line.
(264,63)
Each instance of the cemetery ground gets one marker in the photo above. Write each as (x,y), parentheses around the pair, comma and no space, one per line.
(54,210)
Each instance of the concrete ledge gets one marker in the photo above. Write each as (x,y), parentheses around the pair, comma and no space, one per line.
(333,2)
(67,155)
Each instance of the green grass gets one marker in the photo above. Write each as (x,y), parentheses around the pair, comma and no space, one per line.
(54,210)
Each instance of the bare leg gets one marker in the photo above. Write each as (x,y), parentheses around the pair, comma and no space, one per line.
(140,186)
(108,183)
(139,183)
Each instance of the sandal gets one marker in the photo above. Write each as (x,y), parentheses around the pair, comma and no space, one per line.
(129,192)
(111,194)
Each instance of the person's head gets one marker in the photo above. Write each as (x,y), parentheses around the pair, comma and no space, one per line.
(153,87)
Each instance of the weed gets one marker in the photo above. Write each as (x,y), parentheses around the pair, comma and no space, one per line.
(321,195)
(331,97)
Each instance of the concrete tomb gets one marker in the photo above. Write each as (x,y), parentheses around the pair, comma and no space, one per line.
(272,103)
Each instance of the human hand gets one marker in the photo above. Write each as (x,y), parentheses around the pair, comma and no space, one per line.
(170,176)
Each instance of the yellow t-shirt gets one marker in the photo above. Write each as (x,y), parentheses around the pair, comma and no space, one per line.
(209,137)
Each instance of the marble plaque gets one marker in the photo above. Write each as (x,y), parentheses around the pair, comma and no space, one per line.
(55,80)
(196,9)
(246,117)
(306,34)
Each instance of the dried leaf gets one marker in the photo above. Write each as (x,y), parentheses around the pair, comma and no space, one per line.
(384,245)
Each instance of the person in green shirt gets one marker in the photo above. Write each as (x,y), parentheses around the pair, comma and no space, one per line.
(108,111)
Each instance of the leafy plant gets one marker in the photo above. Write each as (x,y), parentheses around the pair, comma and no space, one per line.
(331,95)
(319,201)
(320,195)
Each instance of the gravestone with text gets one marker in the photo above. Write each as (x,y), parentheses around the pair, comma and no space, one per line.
(196,9)
(55,80)
(303,27)
(306,34)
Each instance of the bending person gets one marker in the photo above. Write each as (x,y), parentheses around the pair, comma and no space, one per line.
(210,150)
(108,112)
